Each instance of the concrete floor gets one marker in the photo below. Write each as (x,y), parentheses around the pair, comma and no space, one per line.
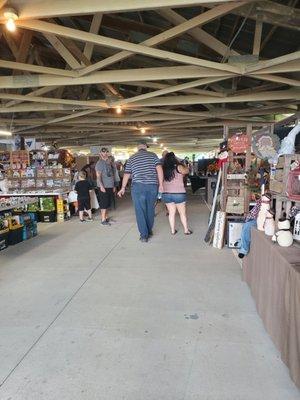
(90,313)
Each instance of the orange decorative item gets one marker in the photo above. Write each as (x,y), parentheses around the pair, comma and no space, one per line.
(293,184)
(239,143)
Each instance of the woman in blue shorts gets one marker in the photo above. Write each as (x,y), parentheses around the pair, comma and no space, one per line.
(174,194)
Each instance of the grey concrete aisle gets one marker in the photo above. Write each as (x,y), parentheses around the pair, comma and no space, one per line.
(90,313)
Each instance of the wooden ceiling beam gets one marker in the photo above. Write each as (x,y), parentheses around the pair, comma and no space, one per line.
(292,94)
(94,28)
(277,79)
(291,66)
(58,8)
(75,34)
(157,85)
(171,33)
(262,65)
(272,13)
(151,74)
(198,34)
(37,92)
(63,51)
(257,36)
(59,119)
(35,69)
(52,100)
(172,89)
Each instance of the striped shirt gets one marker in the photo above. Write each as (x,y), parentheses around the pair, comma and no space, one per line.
(142,167)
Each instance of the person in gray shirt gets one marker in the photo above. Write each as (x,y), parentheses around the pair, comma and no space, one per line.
(105,184)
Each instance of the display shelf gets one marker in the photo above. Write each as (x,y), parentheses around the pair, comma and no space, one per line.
(53,193)
(7,208)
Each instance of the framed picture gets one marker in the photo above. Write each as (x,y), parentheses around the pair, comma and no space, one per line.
(234,230)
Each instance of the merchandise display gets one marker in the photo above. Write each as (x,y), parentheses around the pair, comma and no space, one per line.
(263,212)
(17,223)
(269,225)
(22,202)
(296,232)
(283,236)
(29,172)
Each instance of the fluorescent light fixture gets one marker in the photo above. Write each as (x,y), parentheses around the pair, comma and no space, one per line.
(4,132)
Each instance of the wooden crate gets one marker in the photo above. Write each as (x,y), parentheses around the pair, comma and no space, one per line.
(278,183)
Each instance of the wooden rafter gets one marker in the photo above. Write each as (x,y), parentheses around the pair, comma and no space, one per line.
(71,101)
(75,34)
(55,8)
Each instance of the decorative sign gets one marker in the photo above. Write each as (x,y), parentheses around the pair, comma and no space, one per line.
(29,143)
(219,230)
(265,145)
(239,143)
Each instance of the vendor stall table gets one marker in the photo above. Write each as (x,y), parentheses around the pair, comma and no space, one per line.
(273,275)
(7,208)
(35,194)
(62,212)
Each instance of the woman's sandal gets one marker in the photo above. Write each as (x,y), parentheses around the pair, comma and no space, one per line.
(189,232)
(174,232)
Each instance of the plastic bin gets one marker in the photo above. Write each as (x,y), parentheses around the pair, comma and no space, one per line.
(4,239)
(15,236)
(47,216)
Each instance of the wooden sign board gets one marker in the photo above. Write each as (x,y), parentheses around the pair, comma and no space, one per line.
(219,230)
(239,143)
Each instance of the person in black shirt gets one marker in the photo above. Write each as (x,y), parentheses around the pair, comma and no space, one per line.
(83,189)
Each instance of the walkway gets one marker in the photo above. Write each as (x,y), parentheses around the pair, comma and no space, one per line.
(89,313)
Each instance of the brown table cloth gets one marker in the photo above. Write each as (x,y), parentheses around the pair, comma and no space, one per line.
(273,275)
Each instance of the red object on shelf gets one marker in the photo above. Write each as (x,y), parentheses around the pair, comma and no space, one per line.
(293,184)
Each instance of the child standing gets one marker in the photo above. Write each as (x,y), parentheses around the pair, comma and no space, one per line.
(83,189)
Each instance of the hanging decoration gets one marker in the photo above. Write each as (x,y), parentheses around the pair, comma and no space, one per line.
(265,145)
(223,154)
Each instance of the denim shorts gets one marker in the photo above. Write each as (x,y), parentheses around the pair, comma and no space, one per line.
(176,198)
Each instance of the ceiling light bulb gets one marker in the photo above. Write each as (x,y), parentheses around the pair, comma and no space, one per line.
(154,140)
(5,133)
(161,145)
(10,25)
(10,15)
(143,130)
(119,110)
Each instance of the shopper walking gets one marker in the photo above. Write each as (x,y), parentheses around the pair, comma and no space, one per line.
(174,192)
(147,178)
(105,183)
(83,189)
(111,159)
